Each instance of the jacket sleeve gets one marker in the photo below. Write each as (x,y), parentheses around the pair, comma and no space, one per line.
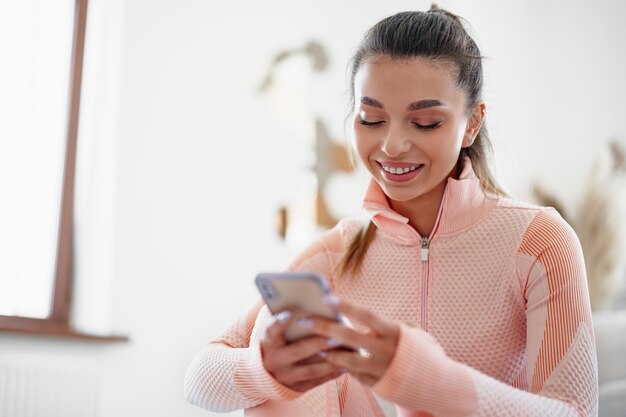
(561,366)
(228,374)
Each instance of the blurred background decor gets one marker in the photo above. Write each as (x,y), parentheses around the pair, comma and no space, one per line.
(307,214)
(599,221)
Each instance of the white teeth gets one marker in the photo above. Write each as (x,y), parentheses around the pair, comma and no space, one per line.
(400,170)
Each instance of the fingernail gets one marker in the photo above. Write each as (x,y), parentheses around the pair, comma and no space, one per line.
(333,342)
(331,300)
(283,316)
(307,323)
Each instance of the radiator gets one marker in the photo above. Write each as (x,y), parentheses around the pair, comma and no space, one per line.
(29,391)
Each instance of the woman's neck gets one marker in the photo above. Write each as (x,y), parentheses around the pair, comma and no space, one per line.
(423,210)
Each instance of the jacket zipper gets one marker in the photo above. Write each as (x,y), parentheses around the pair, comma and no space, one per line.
(424,252)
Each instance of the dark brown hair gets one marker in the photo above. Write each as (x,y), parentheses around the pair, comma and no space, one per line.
(437,35)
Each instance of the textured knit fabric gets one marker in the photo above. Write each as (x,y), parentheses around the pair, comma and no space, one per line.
(493,309)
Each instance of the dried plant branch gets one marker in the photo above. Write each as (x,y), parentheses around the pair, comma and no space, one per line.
(599,224)
(544,198)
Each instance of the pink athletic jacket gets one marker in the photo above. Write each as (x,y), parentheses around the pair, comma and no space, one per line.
(494,312)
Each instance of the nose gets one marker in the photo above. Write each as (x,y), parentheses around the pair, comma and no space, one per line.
(395,144)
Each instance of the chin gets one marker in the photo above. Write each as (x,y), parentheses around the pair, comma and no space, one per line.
(400,193)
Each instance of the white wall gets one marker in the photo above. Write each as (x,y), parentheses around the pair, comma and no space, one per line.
(188,234)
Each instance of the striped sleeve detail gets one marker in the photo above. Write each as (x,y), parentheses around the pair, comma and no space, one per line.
(343,393)
(555,246)
(256,383)
(520,380)
(229,375)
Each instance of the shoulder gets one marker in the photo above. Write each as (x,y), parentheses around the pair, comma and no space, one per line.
(330,243)
(548,233)
(541,227)
(510,203)
(540,220)
(346,231)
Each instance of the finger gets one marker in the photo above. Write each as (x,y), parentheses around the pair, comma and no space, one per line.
(303,349)
(340,334)
(274,332)
(311,359)
(303,373)
(373,321)
(355,363)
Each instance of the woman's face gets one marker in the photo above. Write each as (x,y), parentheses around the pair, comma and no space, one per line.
(410,122)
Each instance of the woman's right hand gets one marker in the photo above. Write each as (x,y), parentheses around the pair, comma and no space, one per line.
(296,365)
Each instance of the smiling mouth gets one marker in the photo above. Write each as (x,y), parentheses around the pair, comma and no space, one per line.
(399,171)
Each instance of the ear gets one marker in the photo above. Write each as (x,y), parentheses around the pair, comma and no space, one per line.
(473,124)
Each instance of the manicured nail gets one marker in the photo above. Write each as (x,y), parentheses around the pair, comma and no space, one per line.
(283,316)
(333,342)
(331,300)
(307,323)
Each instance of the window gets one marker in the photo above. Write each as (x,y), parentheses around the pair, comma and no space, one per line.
(37,163)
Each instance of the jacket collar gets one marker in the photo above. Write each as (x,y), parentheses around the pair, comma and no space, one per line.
(463,204)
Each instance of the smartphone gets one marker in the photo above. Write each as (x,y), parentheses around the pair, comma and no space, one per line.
(301,292)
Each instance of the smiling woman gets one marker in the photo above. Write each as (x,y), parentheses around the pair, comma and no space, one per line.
(463,302)
(423,137)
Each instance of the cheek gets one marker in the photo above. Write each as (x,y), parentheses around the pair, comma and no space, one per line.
(362,144)
(445,144)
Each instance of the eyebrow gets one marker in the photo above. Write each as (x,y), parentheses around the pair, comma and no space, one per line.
(417,105)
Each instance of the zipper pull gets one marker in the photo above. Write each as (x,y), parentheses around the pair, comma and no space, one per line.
(424,251)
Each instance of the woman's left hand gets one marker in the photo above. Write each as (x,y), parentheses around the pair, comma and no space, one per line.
(379,341)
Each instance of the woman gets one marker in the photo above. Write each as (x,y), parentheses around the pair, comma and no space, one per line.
(467,302)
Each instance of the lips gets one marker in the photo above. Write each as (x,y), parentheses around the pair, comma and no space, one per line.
(399,176)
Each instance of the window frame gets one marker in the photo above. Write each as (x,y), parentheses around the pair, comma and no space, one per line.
(58,321)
